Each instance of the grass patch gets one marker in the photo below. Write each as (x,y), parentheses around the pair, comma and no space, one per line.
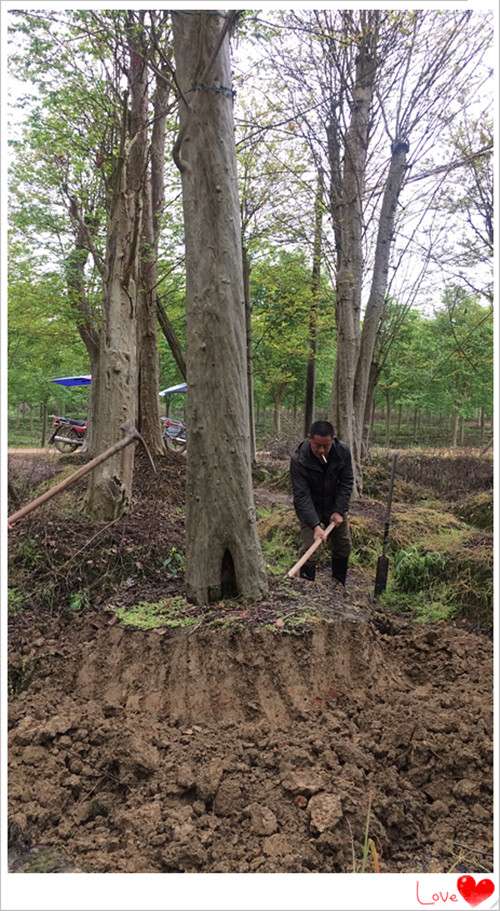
(279,537)
(425,527)
(78,601)
(367,536)
(16,601)
(477,510)
(414,569)
(438,602)
(174,613)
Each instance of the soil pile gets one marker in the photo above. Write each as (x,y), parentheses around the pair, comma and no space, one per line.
(238,751)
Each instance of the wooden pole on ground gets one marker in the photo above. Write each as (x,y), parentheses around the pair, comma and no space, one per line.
(132,436)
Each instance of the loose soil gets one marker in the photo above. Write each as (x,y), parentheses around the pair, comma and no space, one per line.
(260,738)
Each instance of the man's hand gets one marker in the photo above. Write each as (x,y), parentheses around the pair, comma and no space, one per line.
(336,518)
(319,533)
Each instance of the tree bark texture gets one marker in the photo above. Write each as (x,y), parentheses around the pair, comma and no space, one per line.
(313,313)
(223,551)
(348,214)
(378,290)
(110,486)
(147,348)
(160,108)
(248,326)
(86,324)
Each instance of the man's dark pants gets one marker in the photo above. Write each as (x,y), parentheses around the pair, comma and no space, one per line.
(339,541)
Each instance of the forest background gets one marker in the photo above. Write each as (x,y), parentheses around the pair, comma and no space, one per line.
(433,352)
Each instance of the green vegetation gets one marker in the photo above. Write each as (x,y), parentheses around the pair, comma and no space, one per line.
(414,569)
(477,509)
(437,602)
(78,601)
(16,601)
(174,563)
(170,612)
(279,538)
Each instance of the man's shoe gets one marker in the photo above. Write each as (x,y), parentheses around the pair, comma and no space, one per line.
(308,571)
(339,569)
(339,592)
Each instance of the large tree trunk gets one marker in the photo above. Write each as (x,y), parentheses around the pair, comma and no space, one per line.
(110,485)
(456,425)
(147,349)
(223,551)
(160,108)
(348,213)
(376,300)
(313,313)
(248,333)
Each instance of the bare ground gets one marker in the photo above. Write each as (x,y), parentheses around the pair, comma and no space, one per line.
(262,738)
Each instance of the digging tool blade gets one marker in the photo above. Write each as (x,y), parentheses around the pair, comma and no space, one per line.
(381,575)
(383,560)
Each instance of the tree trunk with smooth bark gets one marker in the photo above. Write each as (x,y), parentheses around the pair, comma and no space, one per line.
(313,312)
(376,301)
(347,216)
(224,558)
(248,334)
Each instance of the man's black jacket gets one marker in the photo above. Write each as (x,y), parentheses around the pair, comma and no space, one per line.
(319,489)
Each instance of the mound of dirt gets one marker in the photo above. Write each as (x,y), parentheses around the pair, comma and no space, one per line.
(242,752)
(447,473)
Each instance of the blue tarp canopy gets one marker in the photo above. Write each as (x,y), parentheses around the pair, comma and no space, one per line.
(73,380)
(181,387)
(86,380)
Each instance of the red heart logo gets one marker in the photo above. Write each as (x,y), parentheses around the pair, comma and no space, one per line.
(473,894)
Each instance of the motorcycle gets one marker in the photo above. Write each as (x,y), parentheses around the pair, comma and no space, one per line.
(68,433)
(174,434)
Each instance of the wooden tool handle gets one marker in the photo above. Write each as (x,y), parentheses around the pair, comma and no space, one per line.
(304,558)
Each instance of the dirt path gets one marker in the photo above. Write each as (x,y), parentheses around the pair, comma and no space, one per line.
(43,453)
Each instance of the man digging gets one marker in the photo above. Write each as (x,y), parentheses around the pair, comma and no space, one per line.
(322,482)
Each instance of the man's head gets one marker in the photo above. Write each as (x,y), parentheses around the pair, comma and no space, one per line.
(321,437)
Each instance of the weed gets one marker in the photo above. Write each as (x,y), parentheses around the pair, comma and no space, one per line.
(278,554)
(437,602)
(28,553)
(368,850)
(16,601)
(171,612)
(78,601)
(174,563)
(294,622)
(414,568)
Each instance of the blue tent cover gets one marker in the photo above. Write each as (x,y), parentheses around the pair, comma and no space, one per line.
(73,380)
(181,387)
